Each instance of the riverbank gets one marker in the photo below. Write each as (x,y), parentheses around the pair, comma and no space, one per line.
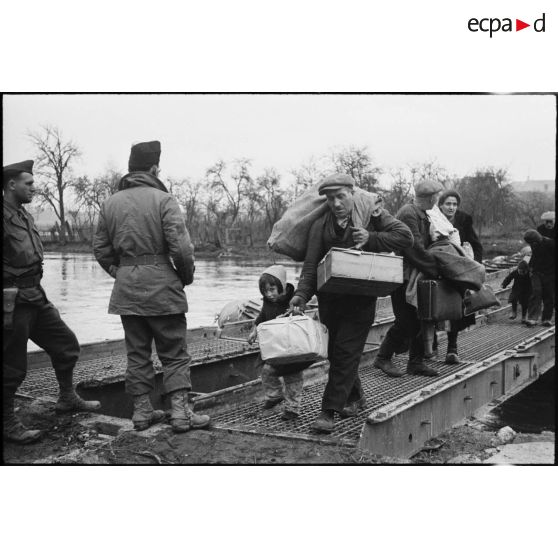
(99,440)
(496,245)
(204,252)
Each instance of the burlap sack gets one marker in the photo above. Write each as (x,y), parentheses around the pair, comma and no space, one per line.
(290,234)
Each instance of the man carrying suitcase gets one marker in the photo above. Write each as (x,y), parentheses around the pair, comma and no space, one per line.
(406,330)
(348,317)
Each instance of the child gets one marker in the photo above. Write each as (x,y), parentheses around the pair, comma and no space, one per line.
(521,289)
(277,294)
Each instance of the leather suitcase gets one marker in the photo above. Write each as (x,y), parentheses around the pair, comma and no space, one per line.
(438,301)
(359,273)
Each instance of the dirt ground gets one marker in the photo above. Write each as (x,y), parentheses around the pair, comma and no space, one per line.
(77,439)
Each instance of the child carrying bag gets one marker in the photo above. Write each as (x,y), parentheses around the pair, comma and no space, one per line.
(292,339)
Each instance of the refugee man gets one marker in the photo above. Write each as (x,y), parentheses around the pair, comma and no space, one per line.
(142,241)
(347,317)
(542,271)
(547,227)
(406,330)
(28,314)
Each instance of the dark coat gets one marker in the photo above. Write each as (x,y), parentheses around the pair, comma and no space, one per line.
(543,257)
(387,234)
(142,218)
(270,310)
(417,256)
(463,222)
(521,288)
(548,233)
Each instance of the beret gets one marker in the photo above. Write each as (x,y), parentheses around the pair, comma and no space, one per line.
(334,182)
(15,168)
(532,236)
(144,154)
(548,216)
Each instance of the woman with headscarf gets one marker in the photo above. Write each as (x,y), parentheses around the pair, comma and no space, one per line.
(449,202)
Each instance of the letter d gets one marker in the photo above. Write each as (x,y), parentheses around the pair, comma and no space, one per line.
(535,25)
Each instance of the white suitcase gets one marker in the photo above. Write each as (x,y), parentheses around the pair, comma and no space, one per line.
(292,339)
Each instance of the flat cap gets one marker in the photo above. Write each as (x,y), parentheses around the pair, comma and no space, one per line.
(427,188)
(532,236)
(144,155)
(334,182)
(15,168)
(548,216)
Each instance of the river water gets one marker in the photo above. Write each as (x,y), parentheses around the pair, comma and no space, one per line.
(80,289)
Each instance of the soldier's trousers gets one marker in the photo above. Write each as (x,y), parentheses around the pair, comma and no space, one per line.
(405,331)
(348,320)
(43,325)
(169,333)
(542,293)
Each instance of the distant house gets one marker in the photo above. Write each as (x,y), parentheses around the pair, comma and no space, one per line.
(545,186)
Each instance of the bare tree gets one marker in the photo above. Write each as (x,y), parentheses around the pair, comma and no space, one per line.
(233,188)
(272,198)
(488,196)
(400,192)
(358,163)
(54,159)
(187,193)
(307,177)
(90,194)
(532,205)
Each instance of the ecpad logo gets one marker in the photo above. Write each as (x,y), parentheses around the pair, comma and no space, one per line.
(493,25)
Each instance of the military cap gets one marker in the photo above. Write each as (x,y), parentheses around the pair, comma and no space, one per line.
(16,168)
(427,188)
(144,155)
(334,182)
(548,216)
(532,236)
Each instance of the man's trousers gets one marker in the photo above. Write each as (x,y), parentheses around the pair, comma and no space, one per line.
(348,320)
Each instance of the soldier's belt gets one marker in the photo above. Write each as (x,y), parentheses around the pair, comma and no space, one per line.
(150,259)
(22,282)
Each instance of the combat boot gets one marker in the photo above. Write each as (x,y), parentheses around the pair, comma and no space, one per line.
(144,415)
(68,400)
(13,430)
(182,417)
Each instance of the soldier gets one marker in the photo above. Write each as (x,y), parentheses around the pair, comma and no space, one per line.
(348,317)
(140,229)
(406,330)
(28,314)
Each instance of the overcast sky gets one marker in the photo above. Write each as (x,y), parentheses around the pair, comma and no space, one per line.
(461,132)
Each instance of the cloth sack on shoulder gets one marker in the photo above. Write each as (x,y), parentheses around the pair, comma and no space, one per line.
(289,235)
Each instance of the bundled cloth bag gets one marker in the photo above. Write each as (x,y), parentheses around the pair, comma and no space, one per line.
(292,339)
(289,235)
(456,267)
(238,310)
(473,301)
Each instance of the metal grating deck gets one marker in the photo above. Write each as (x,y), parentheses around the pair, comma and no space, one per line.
(474,347)
(41,382)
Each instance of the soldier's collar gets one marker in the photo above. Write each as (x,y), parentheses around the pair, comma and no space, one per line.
(12,206)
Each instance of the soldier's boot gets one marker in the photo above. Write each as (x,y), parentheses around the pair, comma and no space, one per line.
(68,400)
(182,417)
(13,430)
(144,415)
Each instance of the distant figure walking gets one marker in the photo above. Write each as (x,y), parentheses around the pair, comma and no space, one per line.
(547,228)
(542,267)
(521,289)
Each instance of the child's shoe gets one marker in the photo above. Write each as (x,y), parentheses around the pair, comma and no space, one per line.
(289,415)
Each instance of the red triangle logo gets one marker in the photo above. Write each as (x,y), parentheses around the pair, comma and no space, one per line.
(519,25)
